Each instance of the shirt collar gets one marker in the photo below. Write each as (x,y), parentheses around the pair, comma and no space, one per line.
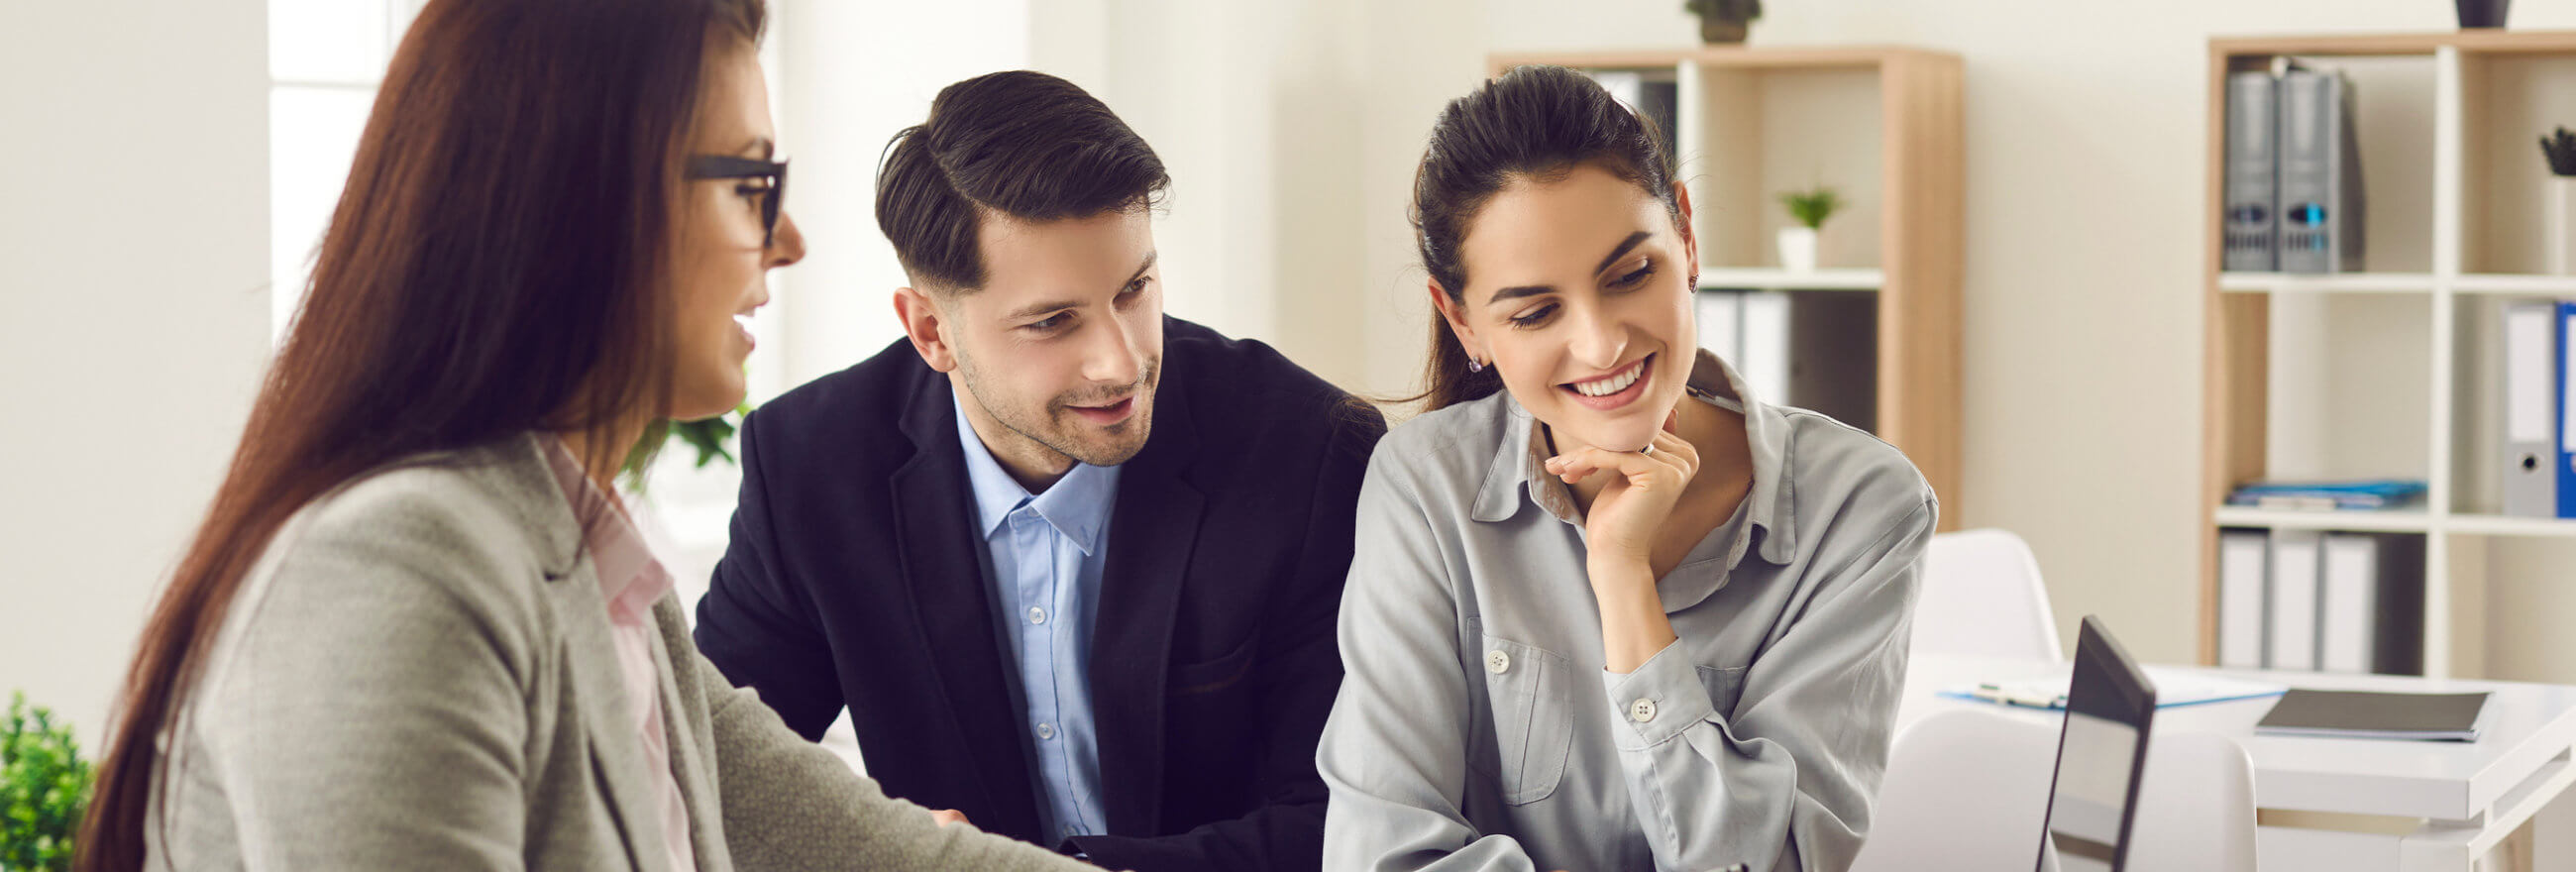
(1077,505)
(1517,478)
(630,579)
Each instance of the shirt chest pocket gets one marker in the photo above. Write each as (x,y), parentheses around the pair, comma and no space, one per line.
(1725,685)
(1528,692)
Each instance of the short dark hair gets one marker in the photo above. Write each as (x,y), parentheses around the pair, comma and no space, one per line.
(1020,143)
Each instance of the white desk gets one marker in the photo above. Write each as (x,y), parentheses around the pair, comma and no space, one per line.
(2431,805)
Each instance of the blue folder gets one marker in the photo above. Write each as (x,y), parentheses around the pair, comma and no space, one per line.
(2566,434)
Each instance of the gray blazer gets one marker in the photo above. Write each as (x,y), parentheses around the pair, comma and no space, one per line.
(1477,730)
(418,674)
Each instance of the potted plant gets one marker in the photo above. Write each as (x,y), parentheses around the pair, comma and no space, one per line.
(1809,208)
(1724,22)
(44,789)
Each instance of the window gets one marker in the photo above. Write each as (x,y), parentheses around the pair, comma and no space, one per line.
(325,58)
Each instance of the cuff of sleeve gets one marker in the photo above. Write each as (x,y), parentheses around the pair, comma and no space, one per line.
(1659,701)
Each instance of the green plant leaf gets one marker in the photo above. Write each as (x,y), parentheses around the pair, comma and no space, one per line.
(44,789)
(1811,207)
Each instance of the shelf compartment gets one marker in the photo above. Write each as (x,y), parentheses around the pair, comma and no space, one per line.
(2337,408)
(2508,103)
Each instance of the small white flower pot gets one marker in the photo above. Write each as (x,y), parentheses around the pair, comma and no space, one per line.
(1798,249)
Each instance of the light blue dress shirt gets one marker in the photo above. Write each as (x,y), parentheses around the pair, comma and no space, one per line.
(1045,555)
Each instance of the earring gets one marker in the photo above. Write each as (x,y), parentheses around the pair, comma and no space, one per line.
(1474,365)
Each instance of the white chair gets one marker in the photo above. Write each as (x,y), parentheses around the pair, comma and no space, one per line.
(1981,595)
(2196,809)
(1967,791)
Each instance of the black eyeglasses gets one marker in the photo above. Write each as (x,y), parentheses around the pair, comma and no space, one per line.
(722,166)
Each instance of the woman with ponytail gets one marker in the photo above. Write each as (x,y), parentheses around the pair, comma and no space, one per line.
(1607,609)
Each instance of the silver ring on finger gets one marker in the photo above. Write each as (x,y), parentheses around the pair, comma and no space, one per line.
(1648,451)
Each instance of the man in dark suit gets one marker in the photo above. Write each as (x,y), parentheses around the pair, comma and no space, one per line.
(1072,566)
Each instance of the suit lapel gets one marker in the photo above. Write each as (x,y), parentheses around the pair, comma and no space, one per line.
(1153,527)
(591,672)
(685,731)
(598,686)
(936,532)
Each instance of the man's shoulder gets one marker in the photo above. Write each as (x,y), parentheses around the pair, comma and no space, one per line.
(1244,386)
(861,404)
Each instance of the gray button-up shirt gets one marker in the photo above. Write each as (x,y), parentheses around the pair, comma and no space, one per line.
(1476,728)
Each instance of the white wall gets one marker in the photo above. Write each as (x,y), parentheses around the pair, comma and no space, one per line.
(133,314)
(849,75)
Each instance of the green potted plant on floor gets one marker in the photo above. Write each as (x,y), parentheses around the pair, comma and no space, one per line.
(1724,22)
(1809,208)
(44,789)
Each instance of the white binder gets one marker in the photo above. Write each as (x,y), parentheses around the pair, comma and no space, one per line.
(2350,575)
(1765,365)
(2243,565)
(2292,609)
(2530,455)
(1721,326)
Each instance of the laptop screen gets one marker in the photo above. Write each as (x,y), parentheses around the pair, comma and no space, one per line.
(2100,756)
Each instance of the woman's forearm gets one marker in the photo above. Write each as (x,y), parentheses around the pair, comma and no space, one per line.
(1633,625)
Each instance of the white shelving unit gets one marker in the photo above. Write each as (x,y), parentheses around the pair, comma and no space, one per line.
(2457,244)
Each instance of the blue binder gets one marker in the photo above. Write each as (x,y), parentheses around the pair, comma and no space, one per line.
(2566,425)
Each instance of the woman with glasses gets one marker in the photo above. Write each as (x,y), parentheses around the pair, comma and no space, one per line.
(1607,608)
(415,631)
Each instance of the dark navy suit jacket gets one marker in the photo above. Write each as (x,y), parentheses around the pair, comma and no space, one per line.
(853,579)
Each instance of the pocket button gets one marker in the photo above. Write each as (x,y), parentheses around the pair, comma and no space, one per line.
(1498,661)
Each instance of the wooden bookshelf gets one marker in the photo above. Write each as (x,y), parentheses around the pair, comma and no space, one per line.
(1885,126)
(2403,349)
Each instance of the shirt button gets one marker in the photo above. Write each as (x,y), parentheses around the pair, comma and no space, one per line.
(1037,615)
(1046,731)
(1498,662)
(1642,710)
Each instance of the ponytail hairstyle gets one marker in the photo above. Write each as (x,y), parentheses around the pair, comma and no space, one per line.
(1536,123)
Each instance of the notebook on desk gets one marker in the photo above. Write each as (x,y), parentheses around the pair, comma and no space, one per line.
(2350,714)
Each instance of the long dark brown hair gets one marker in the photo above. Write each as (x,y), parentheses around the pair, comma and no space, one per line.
(498,263)
(1532,122)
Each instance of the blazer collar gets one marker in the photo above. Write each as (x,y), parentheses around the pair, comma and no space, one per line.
(519,473)
(938,559)
(1158,509)
(1516,477)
